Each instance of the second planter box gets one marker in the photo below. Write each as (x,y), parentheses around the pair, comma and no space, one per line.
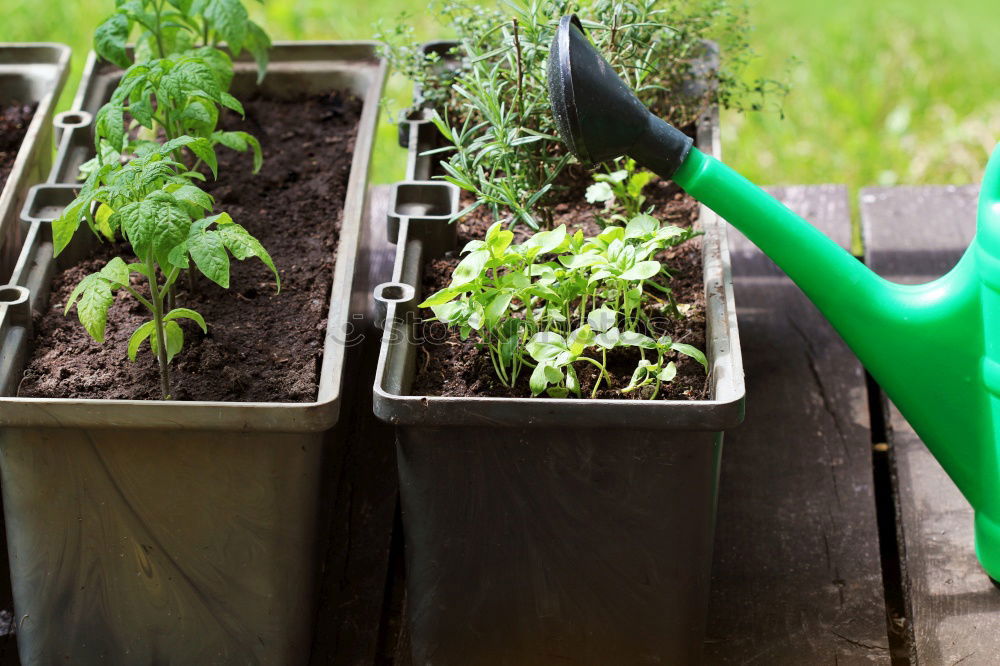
(542,530)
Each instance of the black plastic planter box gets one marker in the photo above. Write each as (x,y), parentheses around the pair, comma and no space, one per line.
(146,532)
(542,531)
(29,74)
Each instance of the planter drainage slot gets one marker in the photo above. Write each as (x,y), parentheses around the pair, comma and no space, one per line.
(423,200)
(11,294)
(46,202)
(427,204)
(397,293)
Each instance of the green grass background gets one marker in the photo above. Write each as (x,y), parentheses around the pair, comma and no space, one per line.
(884,92)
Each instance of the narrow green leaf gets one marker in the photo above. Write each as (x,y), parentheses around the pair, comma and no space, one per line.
(138,337)
(232,103)
(64,227)
(258,44)
(693,352)
(175,339)
(186,313)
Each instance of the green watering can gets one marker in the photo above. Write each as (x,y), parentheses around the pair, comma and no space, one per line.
(891,327)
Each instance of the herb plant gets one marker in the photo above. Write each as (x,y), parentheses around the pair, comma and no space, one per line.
(621,188)
(559,299)
(142,185)
(493,109)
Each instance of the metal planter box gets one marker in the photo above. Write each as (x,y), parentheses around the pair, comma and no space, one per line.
(31,74)
(160,532)
(541,530)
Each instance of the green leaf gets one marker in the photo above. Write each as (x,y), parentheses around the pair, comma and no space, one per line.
(602,318)
(110,125)
(64,227)
(158,223)
(545,242)
(228,18)
(196,198)
(258,44)
(199,115)
(138,337)
(186,313)
(609,339)
(178,256)
(638,181)
(539,379)
(239,241)
(580,339)
(140,106)
(441,297)
(175,339)
(574,261)
(599,193)
(572,381)
(242,141)
(470,268)
(641,226)
(209,254)
(498,307)
(231,102)
(633,339)
(95,297)
(103,219)
(668,373)
(116,271)
(642,270)
(546,346)
(110,39)
(693,352)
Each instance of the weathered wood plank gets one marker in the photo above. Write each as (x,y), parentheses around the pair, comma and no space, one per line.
(363,500)
(796,575)
(914,234)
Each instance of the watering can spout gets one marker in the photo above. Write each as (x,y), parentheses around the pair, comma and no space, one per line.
(934,348)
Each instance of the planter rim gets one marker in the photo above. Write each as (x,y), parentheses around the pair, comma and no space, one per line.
(313,416)
(23,57)
(724,410)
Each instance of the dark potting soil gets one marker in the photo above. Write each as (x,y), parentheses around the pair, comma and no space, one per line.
(450,366)
(261,346)
(14,120)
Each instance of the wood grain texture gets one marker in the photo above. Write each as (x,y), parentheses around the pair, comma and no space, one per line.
(363,499)
(796,574)
(914,234)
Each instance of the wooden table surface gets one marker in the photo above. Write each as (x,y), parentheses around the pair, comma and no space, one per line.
(839,539)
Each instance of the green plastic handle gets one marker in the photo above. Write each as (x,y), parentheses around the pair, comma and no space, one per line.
(896,329)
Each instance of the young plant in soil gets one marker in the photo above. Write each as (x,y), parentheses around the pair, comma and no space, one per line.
(621,188)
(492,108)
(143,186)
(558,299)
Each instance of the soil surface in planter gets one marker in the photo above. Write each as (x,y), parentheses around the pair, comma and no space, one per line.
(450,366)
(14,121)
(261,346)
